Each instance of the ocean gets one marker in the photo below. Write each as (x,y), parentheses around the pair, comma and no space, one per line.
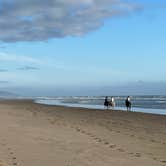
(147,104)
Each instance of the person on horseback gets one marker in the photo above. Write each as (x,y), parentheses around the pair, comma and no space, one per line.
(112,102)
(128,103)
(106,102)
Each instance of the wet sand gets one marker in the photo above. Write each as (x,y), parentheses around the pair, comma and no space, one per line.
(40,135)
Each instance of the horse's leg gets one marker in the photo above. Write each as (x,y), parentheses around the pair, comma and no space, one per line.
(105,107)
(108,106)
(113,105)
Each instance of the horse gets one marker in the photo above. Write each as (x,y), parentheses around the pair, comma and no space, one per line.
(109,104)
(128,105)
(106,103)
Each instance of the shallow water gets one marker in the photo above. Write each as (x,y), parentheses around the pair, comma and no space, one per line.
(83,102)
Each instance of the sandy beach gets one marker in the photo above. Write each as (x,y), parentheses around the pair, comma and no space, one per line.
(40,135)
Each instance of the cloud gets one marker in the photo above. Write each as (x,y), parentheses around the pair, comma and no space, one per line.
(2,47)
(18,58)
(39,20)
(4,82)
(3,70)
(26,68)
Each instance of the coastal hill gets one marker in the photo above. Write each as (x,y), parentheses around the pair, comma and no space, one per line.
(6,94)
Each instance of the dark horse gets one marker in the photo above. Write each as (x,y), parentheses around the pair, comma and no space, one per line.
(106,103)
(128,105)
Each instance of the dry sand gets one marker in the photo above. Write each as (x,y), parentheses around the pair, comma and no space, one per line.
(39,135)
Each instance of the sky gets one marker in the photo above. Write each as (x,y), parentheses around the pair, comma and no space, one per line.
(85,47)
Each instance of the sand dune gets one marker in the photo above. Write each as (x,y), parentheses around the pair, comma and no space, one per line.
(39,135)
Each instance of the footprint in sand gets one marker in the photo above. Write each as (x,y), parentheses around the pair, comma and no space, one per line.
(131,153)
(137,155)
(163,161)
(132,135)
(82,131)
(53,122)
(10,151)
(112,146)
(106,143)
(93,136)
(13,158)
(3,144)
(152,140)
(154,158)
(14,161)
(88,134)
(77,129)
(96,138)
(99,140)
(121,150)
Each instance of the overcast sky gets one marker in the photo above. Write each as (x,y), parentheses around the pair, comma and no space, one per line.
(63,44)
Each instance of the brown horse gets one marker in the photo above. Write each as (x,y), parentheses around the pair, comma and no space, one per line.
(109,104)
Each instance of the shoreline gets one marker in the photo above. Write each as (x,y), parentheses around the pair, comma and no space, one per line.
(100,107)
(85,108)
(37,134)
